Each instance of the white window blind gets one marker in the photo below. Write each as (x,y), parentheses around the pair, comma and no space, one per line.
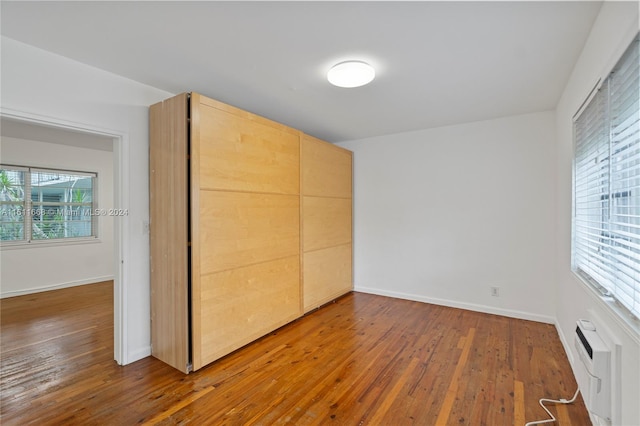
(606,239)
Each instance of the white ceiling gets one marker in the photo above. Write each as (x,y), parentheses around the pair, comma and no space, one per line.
(438,63)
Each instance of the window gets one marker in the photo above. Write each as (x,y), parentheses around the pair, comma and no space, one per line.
(44,205)
(606,222)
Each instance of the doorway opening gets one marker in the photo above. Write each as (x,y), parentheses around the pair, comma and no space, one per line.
(69,136)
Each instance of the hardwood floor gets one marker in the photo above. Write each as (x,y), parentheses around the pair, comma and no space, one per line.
(363,360)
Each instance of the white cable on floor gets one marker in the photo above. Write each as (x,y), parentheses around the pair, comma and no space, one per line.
(554,401)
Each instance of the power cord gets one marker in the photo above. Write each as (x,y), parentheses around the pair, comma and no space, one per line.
(554,401)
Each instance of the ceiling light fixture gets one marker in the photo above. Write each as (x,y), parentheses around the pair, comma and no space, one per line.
(351,74)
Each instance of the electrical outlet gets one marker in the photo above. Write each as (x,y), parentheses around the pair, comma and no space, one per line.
(495,291)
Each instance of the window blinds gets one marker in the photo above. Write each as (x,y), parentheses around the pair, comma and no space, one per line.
(606,245)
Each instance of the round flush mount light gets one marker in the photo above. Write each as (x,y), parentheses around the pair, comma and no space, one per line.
(351,74)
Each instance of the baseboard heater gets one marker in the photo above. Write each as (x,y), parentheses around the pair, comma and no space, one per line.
(594,375)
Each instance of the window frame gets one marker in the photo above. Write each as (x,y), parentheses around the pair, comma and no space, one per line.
(606,242)
(29,209)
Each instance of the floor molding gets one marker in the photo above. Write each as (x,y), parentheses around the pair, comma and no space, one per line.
(13,293)
(462,305)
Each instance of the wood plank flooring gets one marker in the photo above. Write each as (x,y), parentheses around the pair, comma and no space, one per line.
(363,360)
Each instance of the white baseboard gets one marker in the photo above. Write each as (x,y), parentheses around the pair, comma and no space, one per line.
(138,354)
(22,292)
(565,345)
(462,305)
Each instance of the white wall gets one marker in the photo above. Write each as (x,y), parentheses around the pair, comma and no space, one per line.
(610,35)
(442,215)
(28,269)
(39,83)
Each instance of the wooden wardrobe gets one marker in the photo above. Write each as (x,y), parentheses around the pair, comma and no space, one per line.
(251,227)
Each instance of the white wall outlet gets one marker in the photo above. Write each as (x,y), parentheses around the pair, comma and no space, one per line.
(495,291)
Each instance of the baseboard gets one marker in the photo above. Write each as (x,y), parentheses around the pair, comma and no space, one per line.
(461,305)
(93,280)
(565,345)
(138,354)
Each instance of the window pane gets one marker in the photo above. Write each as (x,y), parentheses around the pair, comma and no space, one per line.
(62,204)
(624,106)
(11,222)
(591,201)
(606,245)
(12,217)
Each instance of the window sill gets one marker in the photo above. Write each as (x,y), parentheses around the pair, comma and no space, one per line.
(619,314)
(8,245)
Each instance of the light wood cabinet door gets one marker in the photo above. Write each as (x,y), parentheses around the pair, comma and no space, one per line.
(245,228)
(326,222)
